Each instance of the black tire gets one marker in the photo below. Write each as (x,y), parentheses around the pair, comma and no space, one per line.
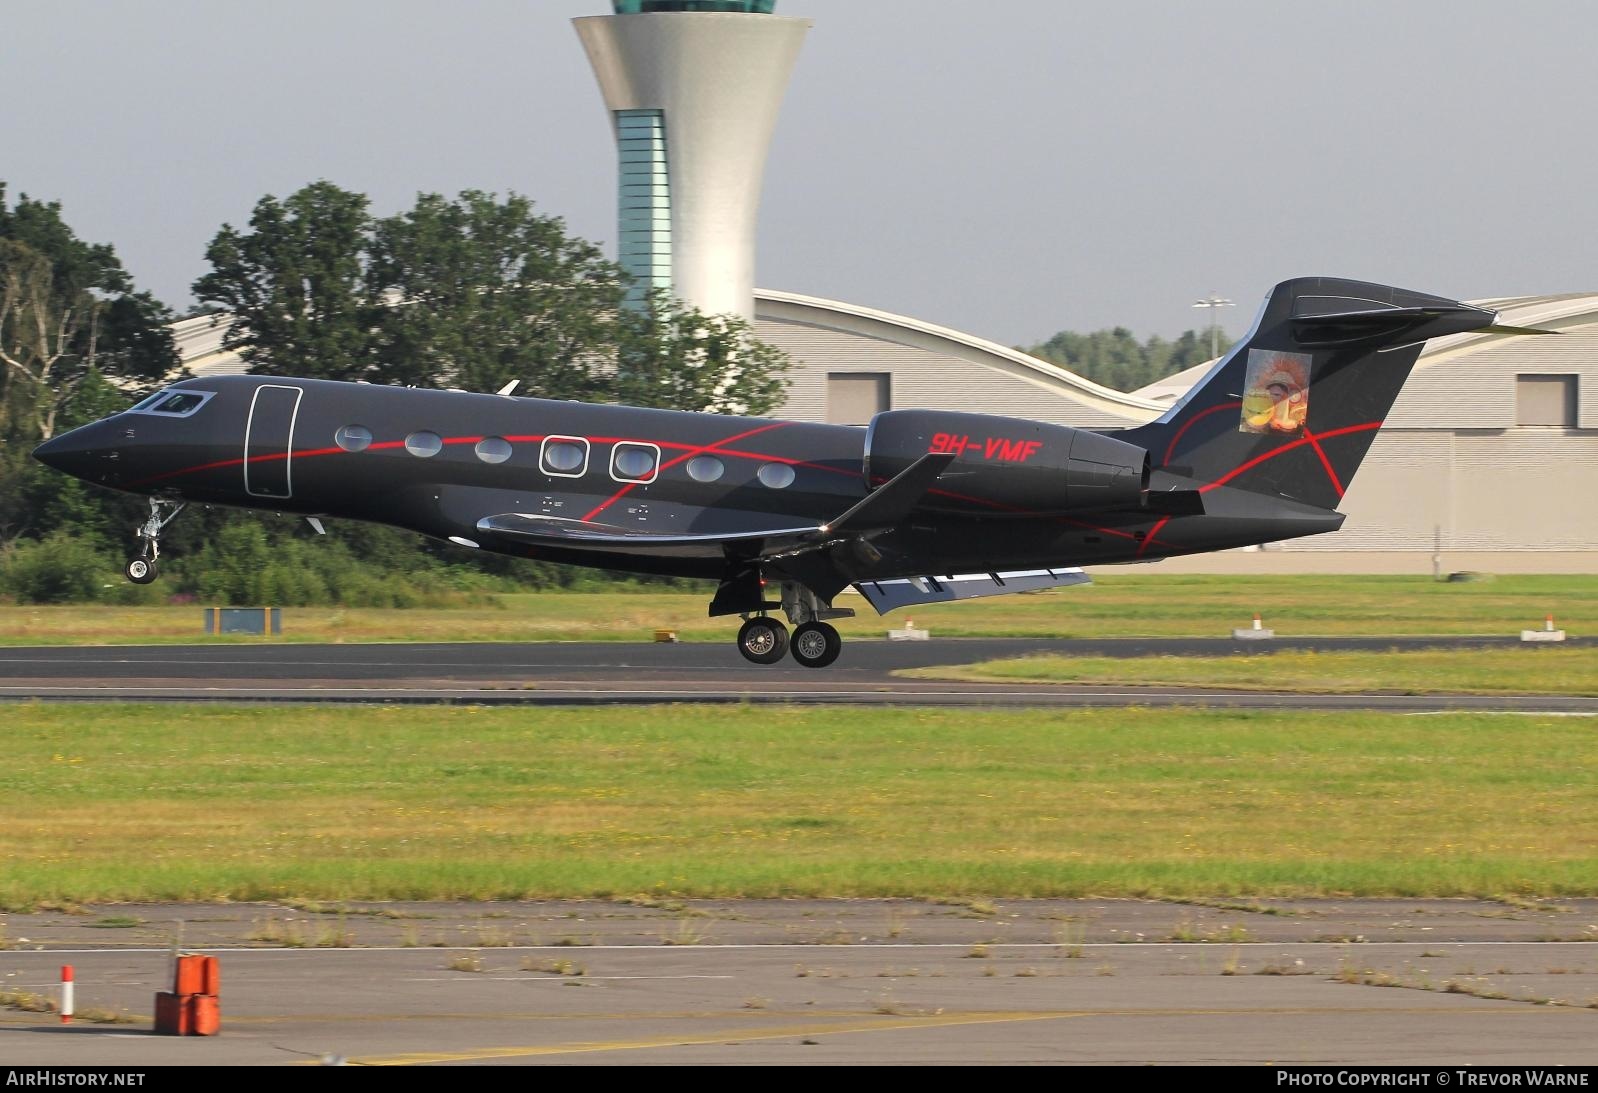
(815,645)
(141,570)
(763,640)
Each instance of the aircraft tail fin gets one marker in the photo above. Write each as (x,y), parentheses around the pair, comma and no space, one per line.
(1292,409)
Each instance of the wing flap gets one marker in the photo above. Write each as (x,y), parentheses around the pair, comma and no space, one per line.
(891,595)
(562,531)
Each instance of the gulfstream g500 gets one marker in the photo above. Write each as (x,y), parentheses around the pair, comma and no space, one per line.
(920,506)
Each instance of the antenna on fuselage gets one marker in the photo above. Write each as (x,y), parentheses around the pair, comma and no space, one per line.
(508,388)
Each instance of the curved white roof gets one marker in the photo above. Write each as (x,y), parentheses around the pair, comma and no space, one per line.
(902,330)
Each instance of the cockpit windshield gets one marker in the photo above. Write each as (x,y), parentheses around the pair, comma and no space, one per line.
(172,403)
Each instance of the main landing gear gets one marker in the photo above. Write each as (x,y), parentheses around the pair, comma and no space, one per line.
(814,643)
(763,640)
(141,568)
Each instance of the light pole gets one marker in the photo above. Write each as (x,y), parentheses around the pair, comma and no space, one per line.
(1213,302)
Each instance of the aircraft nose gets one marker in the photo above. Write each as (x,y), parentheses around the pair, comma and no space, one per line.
(55,452)
(77,453)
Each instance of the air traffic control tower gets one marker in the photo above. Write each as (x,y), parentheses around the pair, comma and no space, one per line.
(693,88)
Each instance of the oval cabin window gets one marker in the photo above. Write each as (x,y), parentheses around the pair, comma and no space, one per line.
(493,449)
(778,476)
(424,445)
(353,438)
(706,468)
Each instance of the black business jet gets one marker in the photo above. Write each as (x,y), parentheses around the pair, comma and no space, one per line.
(921,506)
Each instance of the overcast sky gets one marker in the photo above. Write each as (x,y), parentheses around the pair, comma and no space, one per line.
(1007,167)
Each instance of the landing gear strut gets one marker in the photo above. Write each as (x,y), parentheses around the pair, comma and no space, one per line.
(141,568)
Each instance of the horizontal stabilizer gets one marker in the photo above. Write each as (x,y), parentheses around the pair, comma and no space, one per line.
(888,596)
(1328,328)
(1501,328)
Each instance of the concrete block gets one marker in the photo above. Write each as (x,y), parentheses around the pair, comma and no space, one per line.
(1256,632)
(1542,635)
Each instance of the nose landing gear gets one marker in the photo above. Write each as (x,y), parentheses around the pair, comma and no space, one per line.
(142,568)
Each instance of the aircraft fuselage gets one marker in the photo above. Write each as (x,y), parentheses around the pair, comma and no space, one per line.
(439,462)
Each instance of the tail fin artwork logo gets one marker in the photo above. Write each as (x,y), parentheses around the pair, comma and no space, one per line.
(1276,392)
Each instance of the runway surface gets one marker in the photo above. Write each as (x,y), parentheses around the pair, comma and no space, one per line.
(1422,982)
(615,673)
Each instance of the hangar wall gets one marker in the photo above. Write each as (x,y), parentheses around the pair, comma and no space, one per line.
(916,378)
(1456,467)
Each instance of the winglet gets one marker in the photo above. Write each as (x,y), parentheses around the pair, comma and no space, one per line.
(891,502)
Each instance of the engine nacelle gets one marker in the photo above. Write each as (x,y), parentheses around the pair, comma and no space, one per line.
(1008,464)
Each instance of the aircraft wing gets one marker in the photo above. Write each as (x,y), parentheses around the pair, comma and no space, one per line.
(592,535)
(882,508)
(888,596)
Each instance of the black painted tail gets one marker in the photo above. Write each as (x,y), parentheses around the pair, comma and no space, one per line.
(1292,409)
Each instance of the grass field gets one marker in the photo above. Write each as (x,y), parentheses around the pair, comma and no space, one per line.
(1534,670)
(1117,604)
(108,803)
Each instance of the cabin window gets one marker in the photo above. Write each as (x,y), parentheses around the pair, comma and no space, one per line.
(632,461)
(493,449)
(172,403)
(706,468)
(423,444)
(353,438)
(564,456)
(778,476)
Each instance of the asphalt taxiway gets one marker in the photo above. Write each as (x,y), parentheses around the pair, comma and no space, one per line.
(574,673)
(1393,982)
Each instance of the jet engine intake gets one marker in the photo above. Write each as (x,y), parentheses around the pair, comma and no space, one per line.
(1004,463)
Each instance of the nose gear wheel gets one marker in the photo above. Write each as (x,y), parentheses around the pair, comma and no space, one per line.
(141,570)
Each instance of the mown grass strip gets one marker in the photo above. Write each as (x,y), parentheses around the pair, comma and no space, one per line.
(153,803)
(1117,604)
(1540,670)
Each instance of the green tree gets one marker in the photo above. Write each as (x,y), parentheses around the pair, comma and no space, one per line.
(484,291)
(76,266)
(674,356)
(295,285)
(1115,358)
(471,292)
(76,343)
(67,309)
(47,341)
